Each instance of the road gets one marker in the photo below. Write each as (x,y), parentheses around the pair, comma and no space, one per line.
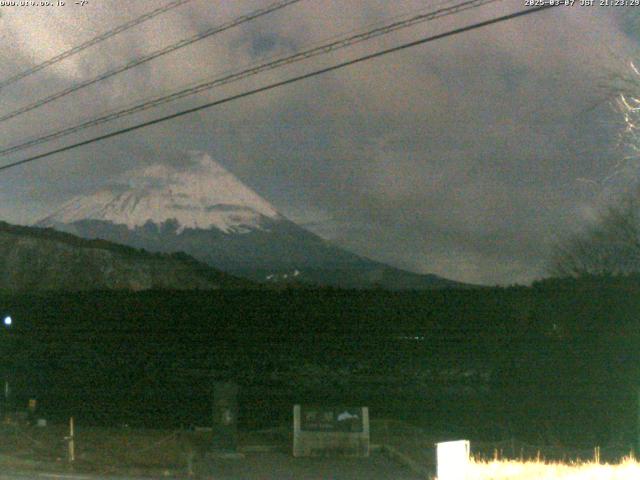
(268,466)
(60,476)
(64,476)
(280,466)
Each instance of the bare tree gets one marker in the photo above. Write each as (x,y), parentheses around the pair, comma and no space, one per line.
(625,88)
(611,246)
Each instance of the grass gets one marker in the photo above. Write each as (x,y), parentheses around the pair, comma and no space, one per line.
(117,451)
(99,450)
(156,453)
(419,446)
(628,469)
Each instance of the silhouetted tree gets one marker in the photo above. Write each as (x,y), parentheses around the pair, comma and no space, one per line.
(611,246)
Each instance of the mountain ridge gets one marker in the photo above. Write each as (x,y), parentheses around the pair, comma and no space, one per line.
(211,215)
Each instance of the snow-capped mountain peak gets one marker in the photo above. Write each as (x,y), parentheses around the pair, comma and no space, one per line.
(203,196)
(206,212)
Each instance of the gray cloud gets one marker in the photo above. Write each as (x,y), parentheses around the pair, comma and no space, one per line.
(462,157)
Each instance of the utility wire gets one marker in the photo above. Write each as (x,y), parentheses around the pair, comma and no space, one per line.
(270,65)
(94,41)
(151,56)
(158,100)
(291,80)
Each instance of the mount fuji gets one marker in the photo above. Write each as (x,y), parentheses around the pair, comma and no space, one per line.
(206,212)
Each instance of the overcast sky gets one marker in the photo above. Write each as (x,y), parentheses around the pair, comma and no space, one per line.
(467,157)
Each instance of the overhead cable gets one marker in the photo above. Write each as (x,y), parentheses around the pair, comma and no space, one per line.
(288,81)
(251,71)
(147,58)
(93,41)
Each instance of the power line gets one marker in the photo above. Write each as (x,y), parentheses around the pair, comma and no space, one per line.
(233,77)
(152,56)
(298,78)
(94,41)
(109,115)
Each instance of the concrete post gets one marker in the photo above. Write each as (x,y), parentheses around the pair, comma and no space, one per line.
(453,460)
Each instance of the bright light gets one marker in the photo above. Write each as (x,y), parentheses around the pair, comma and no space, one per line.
(453,460)
(8,321)
(535,470)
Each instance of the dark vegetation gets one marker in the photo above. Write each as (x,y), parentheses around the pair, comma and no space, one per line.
(44,259)
(553,363)
(73,240)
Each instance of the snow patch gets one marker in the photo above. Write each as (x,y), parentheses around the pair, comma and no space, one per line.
(202,197)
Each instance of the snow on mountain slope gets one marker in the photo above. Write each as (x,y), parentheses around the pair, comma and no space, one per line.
(204,196)
(206,212)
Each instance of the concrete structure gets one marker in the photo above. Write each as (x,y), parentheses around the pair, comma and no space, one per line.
(319,431)
(453,460)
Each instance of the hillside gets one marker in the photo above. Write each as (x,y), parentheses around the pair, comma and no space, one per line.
(205,211)
(35,259)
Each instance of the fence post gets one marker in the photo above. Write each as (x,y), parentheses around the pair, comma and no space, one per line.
(72,446)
